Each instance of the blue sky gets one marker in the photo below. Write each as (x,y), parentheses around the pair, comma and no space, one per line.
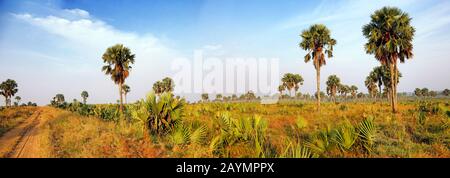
(54,46)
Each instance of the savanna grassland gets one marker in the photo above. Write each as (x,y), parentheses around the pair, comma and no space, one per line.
(287,129)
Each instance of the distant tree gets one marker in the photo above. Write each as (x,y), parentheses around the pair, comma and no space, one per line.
(333,83)
(446,92)
(126,89)
(344,90)
(360,95)
(418,92)
(371,85)
(390,36)
(292,81)
(168,84)
(59,99)
(118,59)
(8,89)
(205,97)
(314,41)
(84,95)
(18,98)
(165,85)
(425,91)
(353,90)
(234,97)
(281,88)
(433,93)
(249,96)
(322,94)
(219,97)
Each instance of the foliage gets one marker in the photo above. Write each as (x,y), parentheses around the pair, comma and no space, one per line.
(159,114)
(367,133)
(8,89)
(232,131)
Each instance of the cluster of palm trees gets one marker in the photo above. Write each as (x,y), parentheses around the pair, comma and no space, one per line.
(250,95)
(8,89)
(335,86)
(290,82)
(426,92)
(378,77)
(165,85)
(389,35)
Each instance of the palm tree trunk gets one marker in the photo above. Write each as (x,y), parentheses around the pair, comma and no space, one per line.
(121,99)
(318,86)
(395,85)
(392,89)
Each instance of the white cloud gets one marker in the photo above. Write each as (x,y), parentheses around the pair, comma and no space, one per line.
(78,12)
(86,39)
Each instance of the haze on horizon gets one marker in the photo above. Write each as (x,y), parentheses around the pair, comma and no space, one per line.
(55,46)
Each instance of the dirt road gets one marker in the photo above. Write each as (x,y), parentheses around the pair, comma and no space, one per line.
(29,139)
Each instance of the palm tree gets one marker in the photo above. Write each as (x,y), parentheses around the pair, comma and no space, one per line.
(205,97)
(168,84)
(314,41)
(118,59)
(333,83)
(18,98)
(219,97)
(418,92)
(292,81)
(158,87)
(371,85)
(390,36)
(378,75)
(8,89)
(84,95)
(125,89)
(425,92)
(343,90)
(446,92)
(353,90)
(281,88)
(58,99)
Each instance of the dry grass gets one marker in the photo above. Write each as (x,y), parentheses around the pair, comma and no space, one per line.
(10,117)
(398,135)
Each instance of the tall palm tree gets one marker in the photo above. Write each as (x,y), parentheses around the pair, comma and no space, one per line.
(125,89)
(333,83)
(317,42)
(8,89)
(390,36)
(118,59)
(84,95)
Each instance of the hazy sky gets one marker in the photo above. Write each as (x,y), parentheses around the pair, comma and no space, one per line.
(52,47)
